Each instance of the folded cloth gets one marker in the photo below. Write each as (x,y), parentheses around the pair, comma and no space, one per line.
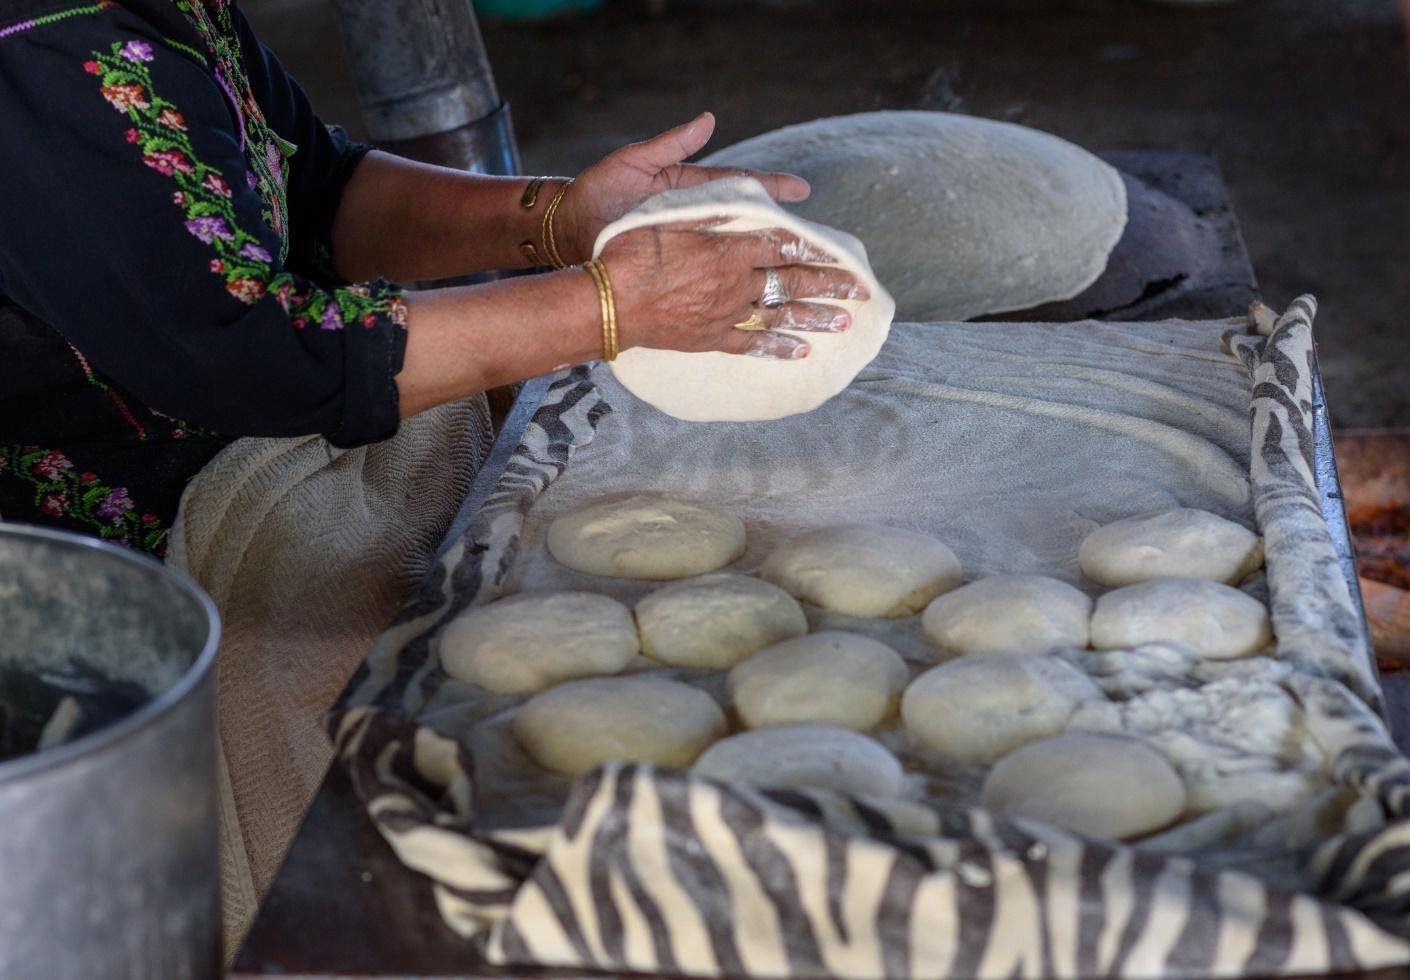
(307,551)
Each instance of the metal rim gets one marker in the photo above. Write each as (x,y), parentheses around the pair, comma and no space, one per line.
(149,713)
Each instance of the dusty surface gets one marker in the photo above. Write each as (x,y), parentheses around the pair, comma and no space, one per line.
(1305,105)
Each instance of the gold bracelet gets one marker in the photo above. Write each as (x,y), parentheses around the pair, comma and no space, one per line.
(606,307)
(550,244)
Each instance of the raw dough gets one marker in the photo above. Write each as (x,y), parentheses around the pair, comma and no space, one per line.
(960,215)
(1009,614)
(977,709)
(1184,543)
(715,621)
(1213,620)
(582,724)
(864,569)
(1097,785)
(525,643)
(649,536)
(829,677)
(711,386)
(805,756)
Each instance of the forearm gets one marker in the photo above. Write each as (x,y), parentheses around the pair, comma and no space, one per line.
(473,338)
(409,221)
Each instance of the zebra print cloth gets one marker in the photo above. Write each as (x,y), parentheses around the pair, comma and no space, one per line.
(659,872)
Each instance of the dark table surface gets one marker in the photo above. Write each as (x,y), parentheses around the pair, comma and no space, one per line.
(343,904)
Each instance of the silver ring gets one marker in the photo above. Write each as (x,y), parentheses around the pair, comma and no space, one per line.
(774,295)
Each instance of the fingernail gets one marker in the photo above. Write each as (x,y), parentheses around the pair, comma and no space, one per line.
(839,323)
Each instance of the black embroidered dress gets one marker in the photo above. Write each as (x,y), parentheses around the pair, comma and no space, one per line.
(166,203)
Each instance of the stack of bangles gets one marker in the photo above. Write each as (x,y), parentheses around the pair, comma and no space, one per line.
(598,271)
(594,267)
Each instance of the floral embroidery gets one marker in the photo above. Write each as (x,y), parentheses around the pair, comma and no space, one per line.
(206,198)
(60,492)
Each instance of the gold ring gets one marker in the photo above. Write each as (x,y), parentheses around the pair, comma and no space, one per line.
(755,322)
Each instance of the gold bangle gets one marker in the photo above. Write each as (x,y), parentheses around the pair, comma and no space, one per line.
(530,196)
(550,244)
(606,307)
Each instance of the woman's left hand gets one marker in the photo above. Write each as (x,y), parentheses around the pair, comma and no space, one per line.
(620,181)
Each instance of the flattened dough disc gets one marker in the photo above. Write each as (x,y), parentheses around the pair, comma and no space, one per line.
(961,216)
(716,387)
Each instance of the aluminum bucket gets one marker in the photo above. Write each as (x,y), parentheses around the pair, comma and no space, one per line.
(109,862)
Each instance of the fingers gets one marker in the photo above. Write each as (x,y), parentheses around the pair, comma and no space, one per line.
(815,282)
(811,317)
(785,188)
(774,247)
(672,146)
(766,343)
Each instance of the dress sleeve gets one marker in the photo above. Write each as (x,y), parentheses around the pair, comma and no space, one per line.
(131,219)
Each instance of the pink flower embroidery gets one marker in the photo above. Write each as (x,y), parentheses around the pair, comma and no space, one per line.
(52,464)
(246,290)
(282,294)
(92,67)
(178,198)
(217,265)
(368,321)
(132,135)
(136,51)
(149,518)
(125,97)
(88,476)
(167,161)
(216,183)
(54,504)
(396,310)
(172,119)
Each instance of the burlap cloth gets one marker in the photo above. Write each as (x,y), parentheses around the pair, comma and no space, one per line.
(307,551)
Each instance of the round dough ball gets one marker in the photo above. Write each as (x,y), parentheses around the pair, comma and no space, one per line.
(646,535)
(828,677)
(525,643)
(1212,620)
(864,569)
(805,757)
(1009,614)
(977,709)
(1182,543)
(1097,785)
(582,724)
(960,215)
(710,386)
(715,621)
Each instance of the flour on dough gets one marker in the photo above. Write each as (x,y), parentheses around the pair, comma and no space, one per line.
(711,386)
(864,569)
(646,536)
(1208,618)
(714,621)
(805,757)
(960,215)
(977,709)
(581,724)
(1184,542)
(525,643)
(829,677)
(1009,614)
(1097,785)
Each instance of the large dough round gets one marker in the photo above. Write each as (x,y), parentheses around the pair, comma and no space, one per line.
(525,643)
(828,677)
(805,757)
(711,386)
(582,724)
(960,215)
(1213,620)
(864,569)
(715,621)
(646,535)
(977,709)
(1097,785)
(1009,614)
(1184,543)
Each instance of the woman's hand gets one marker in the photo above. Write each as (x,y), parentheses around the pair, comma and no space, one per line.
(622,180)
(685,287)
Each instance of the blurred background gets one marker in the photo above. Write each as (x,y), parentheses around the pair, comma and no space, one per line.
(1305,104)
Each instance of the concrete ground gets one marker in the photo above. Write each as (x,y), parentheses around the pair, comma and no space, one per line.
(1305,104)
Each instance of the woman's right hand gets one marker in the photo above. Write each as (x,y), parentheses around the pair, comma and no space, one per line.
(684,287)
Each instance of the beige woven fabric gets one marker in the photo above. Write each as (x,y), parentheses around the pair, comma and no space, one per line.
(307,551)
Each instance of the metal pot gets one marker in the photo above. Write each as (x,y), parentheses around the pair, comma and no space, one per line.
(109,862)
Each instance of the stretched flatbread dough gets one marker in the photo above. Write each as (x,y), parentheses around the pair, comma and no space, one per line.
(715,621)
(647,535)
(961,216)
(525,643)
(803,757)
(1184,542)
(713,387)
